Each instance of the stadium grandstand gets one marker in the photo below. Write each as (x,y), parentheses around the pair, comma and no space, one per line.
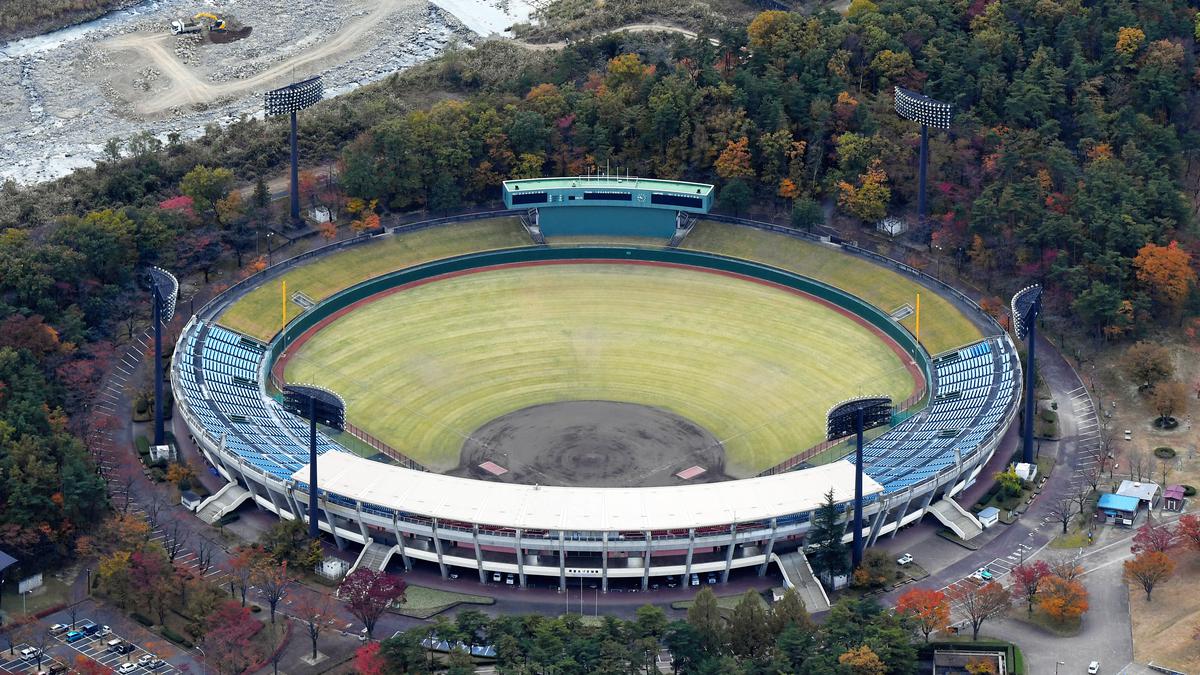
(221,381)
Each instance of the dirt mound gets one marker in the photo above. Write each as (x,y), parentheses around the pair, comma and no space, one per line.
(592,444)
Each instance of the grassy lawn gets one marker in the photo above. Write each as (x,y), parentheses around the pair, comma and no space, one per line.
(422,602)
(942,326)
(1163,627)
(1044,621)
(726,603)
(422,378)
(259,313)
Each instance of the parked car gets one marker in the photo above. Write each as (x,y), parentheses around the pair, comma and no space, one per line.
(904,559)
(88,627)
(125,648)
(146,659)
(496,577)
(695,579)
(154,663)
(1093,667)
(712,578)
(56,669)
(104,631)
(30,653)
(982,574)
(75,635)
(114,645)
(509,579)
(58,628)
(127,668)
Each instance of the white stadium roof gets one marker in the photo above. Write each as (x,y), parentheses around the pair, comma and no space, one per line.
(583,508)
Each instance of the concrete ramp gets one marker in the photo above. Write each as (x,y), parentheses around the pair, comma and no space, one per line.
(961,523)
(374,556)
(798,574)
(223,502)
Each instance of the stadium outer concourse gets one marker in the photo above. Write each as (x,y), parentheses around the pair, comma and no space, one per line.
(221,379)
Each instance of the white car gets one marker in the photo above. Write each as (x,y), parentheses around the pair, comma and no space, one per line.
(1093,667)
(30,653)
(127,668)
(145,659)
(58,628)
(904,559)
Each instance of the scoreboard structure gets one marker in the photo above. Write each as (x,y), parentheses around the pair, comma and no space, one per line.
(608,205)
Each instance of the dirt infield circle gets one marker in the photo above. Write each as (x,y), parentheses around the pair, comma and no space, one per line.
(592,444)
(596,372)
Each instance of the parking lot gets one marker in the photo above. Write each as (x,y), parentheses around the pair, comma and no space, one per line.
(94,647)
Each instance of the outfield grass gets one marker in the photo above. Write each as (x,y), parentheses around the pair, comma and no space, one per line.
(943,327)
(259,312)
(755,365)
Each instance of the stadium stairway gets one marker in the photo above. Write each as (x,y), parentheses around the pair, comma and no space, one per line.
(223,502)
(374,556)
(798,574)
(954,517)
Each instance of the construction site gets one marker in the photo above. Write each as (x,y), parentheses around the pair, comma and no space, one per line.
(172,67)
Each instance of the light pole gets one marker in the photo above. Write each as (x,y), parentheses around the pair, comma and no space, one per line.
(165,288)
(315,404)
(1026,305)
(856,416)
(1057,664)
(289,100)
(269,235)
(89,580)
(927,112)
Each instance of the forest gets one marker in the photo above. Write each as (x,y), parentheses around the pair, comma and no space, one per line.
(1070,162)
(21,18)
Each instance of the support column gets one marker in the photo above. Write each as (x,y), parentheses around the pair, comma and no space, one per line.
(437,546)
(762,569)
(362,526)
(687,565)
(923,171)
(289,492)
(877,521)
(337,538)
(960,470)
(295,188)
(646,564)
(520,559)
(604,562)
(249,485)
(159,435)
(562,562)
(271,496)
(904,511)
(729,552)
(856,552)
(400,543)
(1030,380)
(478,553)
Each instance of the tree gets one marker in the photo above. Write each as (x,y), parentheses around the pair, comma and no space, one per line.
(748,632)
(981,603)
(1169,398)
(789,611)
(807,214)
(735,196)
(705,618)
(651,621)
(1129,41)
(1062,599)
(1009,481)
(1188,531)
(828,553)
(869,200)
(206,187)
(1067,567)
(368,661)
(861,661)
(1167,272)
(734,160)
(1027,578)
(926,608)
(1148,569)
(242,563)
(369,593)
(1147,364)
(686,646)
(1153,536)
(315,612)
(1062,509)
(227,643)
(272,581)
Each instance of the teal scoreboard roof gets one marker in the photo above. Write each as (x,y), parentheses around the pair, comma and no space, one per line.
(608,182)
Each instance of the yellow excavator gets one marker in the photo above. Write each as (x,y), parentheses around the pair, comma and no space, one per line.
(211,22)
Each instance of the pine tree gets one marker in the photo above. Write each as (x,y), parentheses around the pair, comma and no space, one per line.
(827,551)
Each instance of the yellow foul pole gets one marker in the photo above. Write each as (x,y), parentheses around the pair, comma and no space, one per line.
(918,317)
(283,294)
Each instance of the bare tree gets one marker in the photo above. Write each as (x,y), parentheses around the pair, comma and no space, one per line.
(204,553)
(314,612)
(154,506)
(1164,471)
(1080,497)
(1093,474)
(1062,509)
(177,538)
(272,581)
(1137,464)
(122,488)
(1066,567)
(981,603)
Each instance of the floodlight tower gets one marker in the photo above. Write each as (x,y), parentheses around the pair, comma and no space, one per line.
(1026,305)
(164,288)
(315,404)
(856,416)
(927,112)
(290,100)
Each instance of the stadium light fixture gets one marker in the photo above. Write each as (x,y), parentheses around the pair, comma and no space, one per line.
(164,289)
(288,101)
(1026,306)
(315,404)
(854,417)
(927,112)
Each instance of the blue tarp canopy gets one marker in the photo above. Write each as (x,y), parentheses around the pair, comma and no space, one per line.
(6,561)
(1111,502)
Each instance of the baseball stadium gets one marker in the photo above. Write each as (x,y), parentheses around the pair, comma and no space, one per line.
(603,381)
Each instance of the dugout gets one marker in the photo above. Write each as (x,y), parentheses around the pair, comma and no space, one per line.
(608,205)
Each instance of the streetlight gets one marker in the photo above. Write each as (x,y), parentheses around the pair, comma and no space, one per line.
(854,417)
(1057,664)
(289,100)
(927,112)
(89,580)
(202,658)
(269,235)
(1026,305)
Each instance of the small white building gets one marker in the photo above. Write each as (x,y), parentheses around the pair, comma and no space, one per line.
(321,214)
(892,226)
(1146,493)
(162,453)
(1026,472)
(190,500)
(988,517)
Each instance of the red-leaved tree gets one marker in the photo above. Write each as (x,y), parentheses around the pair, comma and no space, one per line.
(368,661)
(927,608)
(1188,531)
(1153,537)
(1027,577)
(227,643)
(369,593)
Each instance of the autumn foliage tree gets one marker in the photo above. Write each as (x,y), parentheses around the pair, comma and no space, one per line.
(369,593)
(981,602)
(926,608)
(862,661)
(1167,272)
(227,645)
(1062,599)
(1153,536)
(1168,399)
(734,160)
(1147,364)
(869,200)
(1027,579)
(1149,569)
(1188,531)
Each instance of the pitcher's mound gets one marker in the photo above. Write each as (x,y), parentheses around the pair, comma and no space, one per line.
(592,444)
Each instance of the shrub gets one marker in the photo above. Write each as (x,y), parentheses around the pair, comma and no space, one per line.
(1163,452)
(1189,491)
(143,445)
(255,609)
(228,518)
(1049,416)
(142,619)
(157,475)
(176,638)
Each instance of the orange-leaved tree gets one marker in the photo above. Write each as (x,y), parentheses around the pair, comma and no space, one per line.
(1062,599)
(928,609)
(734,160)
(862,661)
(1149,569)
(1167,271)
